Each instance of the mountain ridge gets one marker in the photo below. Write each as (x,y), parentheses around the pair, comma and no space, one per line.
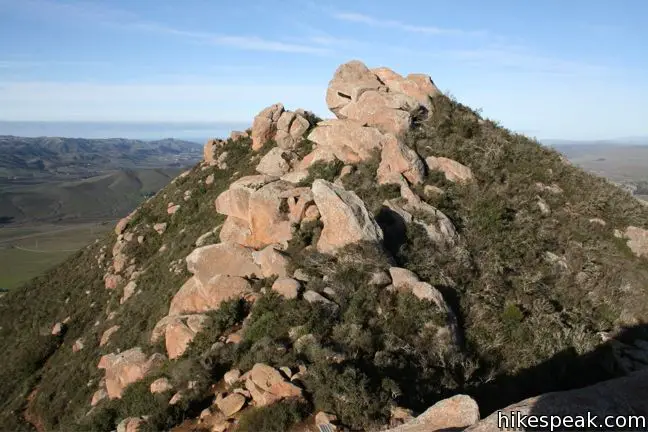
(349,272)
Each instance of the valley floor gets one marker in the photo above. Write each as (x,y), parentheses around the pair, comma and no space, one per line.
(26,251)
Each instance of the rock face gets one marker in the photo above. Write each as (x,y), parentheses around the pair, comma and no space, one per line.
(388,112)
(127,367)
(272,262)
(397,158)
(276,162)
(455,413)
(618,397)
(350,141)
(417,86)
(453,170)
(345,217)
(259,210)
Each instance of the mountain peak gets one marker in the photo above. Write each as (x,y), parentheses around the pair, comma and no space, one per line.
(407,256)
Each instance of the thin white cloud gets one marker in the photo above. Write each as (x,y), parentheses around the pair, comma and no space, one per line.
(399,25)
(103,14)
(253,43)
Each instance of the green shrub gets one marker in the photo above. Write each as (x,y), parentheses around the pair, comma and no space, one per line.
(322,170)
(278,417)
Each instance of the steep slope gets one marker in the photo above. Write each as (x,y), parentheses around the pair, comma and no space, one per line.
(364,267)
(103,196)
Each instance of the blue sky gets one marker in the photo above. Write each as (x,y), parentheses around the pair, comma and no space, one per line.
(551,69)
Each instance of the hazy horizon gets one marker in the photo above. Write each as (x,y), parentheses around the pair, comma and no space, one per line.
(201,131)
(189,131)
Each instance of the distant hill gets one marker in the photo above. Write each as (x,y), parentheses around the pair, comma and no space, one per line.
(52,179)
(103,196)
(621,163)
(19,155)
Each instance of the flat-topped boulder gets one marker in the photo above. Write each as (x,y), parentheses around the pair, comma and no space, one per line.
(196,297)
(221,259)
(349,140)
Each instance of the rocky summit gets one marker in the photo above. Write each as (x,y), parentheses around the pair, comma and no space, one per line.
(407,265)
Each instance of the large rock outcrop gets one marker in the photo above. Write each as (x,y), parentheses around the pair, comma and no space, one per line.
(349,82)
(379,98)
(345,217)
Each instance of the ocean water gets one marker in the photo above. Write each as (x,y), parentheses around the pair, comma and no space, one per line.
(197,132)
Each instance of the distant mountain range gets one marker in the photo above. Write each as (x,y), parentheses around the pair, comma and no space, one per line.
(50,179)
(74,154)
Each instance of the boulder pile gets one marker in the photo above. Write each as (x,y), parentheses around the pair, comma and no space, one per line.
(374,108)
